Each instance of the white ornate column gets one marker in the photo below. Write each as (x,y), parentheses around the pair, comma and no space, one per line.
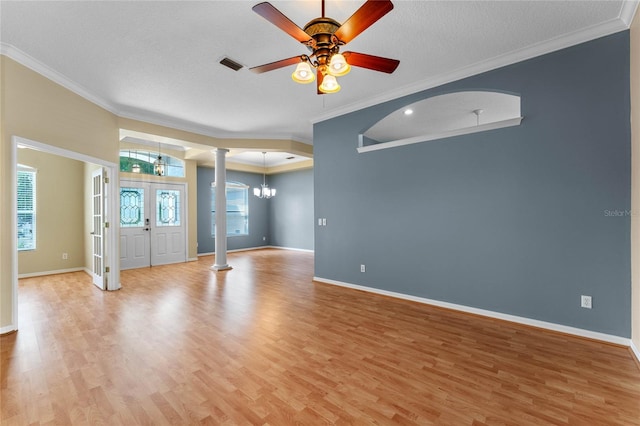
(221,211)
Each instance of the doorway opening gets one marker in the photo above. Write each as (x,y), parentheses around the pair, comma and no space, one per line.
(109,267)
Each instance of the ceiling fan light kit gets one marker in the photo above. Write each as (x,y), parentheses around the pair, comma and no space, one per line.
(323,37)
(303,73)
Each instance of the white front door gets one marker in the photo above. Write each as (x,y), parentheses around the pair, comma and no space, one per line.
(97,234)
(152,224)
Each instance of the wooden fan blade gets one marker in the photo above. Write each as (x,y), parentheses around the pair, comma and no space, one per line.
(277,64)
(277,18)
(375,63)
(362,19)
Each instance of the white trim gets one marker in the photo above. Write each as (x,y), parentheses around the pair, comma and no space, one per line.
(192,259)
(14,233)
(55,272)
(635,350)
(8,329)
(505,317)
(292,249)
(628,11)
(425,138)
(53,75)
(258,248)
(581,36)
(35,65)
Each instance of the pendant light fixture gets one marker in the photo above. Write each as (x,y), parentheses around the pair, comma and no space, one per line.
(264,191)
(135,167)
(159,164)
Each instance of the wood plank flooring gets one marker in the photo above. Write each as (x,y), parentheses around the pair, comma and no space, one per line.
(263,344)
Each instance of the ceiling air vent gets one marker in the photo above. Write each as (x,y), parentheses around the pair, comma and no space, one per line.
(230,64)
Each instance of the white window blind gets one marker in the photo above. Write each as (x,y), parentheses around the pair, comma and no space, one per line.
(26,210)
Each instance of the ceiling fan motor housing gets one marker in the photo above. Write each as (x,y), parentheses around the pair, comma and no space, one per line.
(323,43)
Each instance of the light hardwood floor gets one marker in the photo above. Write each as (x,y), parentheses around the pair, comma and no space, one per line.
(263,344)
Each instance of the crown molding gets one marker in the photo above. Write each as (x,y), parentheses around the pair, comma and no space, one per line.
(628,11)
(53,75)
(623,22)
(146,116)
(591,33)
(186,126)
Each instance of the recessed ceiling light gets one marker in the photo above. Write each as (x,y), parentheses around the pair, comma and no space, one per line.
(408,111)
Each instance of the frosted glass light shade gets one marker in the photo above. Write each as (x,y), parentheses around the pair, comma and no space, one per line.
(303,74)
(338,65)
(329,85)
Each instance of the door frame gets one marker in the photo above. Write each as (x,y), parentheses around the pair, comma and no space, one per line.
(113,211)
(185,210)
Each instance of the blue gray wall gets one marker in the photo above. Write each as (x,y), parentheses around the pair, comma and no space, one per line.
(286,220)
(518,220)
(291,211)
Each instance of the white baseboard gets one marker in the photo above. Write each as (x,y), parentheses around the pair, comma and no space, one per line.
(291,248)
(635,350)
(8,329)
(257,248)
(506,317)
(56,272)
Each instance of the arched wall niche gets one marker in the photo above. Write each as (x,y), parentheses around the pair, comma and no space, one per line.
(443,116)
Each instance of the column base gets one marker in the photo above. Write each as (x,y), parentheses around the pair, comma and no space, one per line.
(221,267)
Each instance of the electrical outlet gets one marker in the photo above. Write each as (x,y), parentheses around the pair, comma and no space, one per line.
(319,221)
(324,221)
(585,302)
(65,256)
(362,268)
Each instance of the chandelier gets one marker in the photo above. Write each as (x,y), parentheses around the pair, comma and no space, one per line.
(264,191)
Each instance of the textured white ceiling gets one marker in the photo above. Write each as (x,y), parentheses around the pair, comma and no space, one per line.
(158,61)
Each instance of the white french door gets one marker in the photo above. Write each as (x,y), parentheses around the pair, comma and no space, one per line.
(97,234)
(152,224)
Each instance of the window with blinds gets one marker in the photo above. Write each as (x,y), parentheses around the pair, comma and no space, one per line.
(26,204)
(237,209)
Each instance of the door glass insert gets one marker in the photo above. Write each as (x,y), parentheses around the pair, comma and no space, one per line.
(131,207)
(168,211)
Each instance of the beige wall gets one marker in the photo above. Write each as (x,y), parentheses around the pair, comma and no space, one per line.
(35,108)
(635,179)
(59,213)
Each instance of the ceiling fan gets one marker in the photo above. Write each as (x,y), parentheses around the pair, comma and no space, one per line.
(324,36)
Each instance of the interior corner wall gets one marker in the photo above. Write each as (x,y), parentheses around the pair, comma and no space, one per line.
(35,108)
(258,212)
(521,220)
(635,177)
(59,211)
(291,220)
